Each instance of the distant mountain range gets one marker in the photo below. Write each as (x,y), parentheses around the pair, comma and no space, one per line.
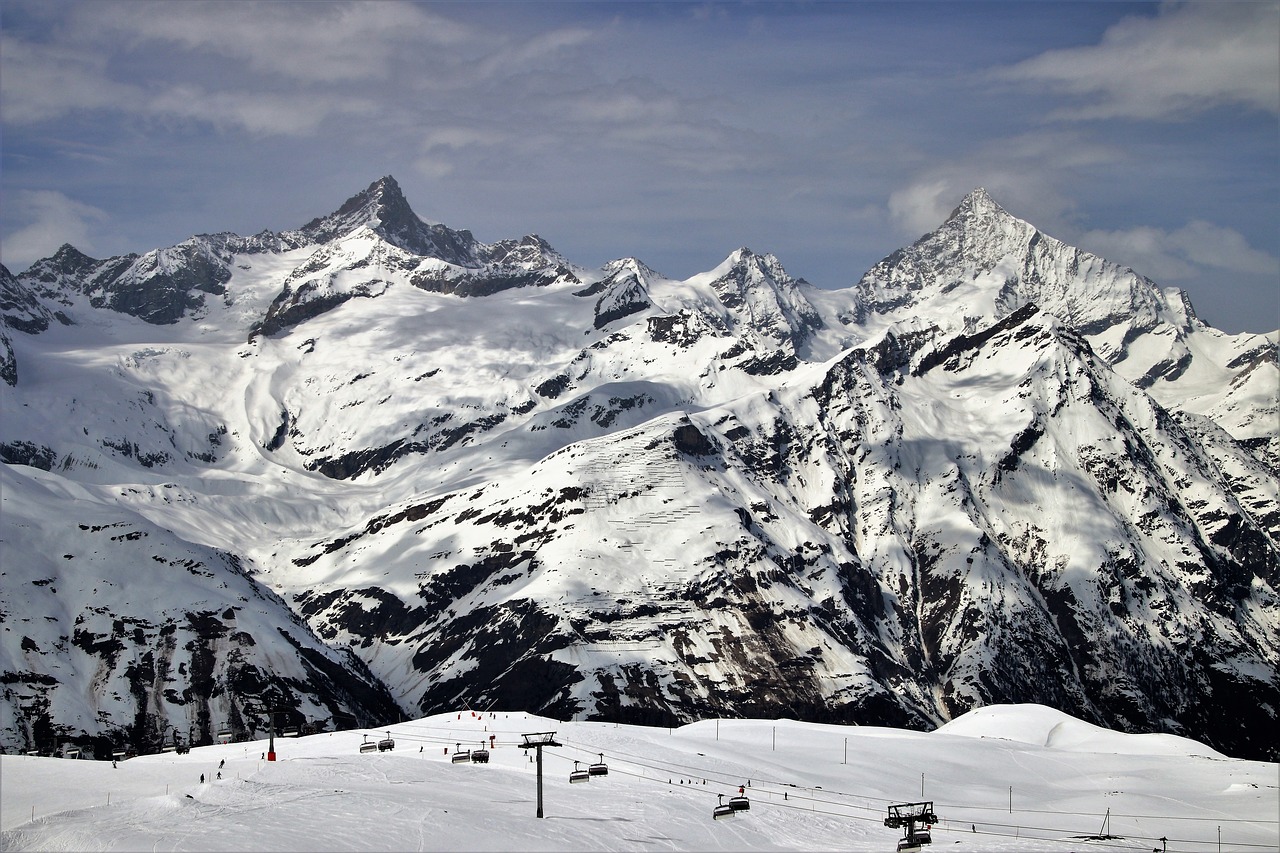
(374,467)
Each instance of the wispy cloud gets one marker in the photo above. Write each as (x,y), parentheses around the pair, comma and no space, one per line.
(259,113)
(1031,171)
(312,42)
(52,219)
(1192,250)
(42,82)
(1186,59)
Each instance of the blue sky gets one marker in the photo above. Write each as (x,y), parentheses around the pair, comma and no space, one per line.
(827,133)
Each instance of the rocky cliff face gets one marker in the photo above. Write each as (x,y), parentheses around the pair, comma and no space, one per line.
(427,470)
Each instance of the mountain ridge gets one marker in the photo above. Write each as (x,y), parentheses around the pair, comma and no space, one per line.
(994,469)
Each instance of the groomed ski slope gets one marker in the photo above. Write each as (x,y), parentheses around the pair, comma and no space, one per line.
(1004,778)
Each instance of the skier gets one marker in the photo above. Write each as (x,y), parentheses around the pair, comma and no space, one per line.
(222,764)
(201,778)
(219,774)
(113,764)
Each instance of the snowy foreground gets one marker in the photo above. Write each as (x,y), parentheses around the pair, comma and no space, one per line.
(1006,778)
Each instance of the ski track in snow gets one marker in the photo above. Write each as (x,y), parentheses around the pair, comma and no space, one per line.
(808,791)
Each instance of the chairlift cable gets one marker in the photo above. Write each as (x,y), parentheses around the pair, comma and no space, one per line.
(765,789)
(1053,834)
(765,785)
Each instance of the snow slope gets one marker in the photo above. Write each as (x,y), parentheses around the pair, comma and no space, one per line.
(812,787)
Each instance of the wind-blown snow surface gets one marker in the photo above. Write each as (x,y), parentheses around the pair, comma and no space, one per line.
(374,466)
(1006,778)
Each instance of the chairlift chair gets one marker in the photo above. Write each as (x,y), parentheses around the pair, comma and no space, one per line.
(479,756)
(599,768)
(740,803)
(905,816)
(579,775)
(289,733)
(722,810)
(460,755)
(386,743)
(368,746)
(224,735)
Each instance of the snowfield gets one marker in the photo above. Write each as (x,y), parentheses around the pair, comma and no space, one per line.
(1003,778)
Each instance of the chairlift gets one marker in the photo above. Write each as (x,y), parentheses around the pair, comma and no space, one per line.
(386,743)
(906,816)
(599,768)
(459,755)
(740,803)
(722,810)
(577,775)
(909,844)
(479,756)
(368,746)
(224,735)
(289,733)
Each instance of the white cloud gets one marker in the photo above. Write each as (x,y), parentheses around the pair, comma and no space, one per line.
(1186,59)
(53,219)
(261,113)
(514,57)
(923,206)
(1184,254)
(1023,173)
(312,42)
(41,82)
(442,146)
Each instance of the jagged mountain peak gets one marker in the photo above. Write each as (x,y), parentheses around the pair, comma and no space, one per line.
(977,204)
(68,260)
(383,208)
(746,264)
(642,270)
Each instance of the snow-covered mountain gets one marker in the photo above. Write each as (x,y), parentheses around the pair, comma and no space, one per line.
(996,469)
